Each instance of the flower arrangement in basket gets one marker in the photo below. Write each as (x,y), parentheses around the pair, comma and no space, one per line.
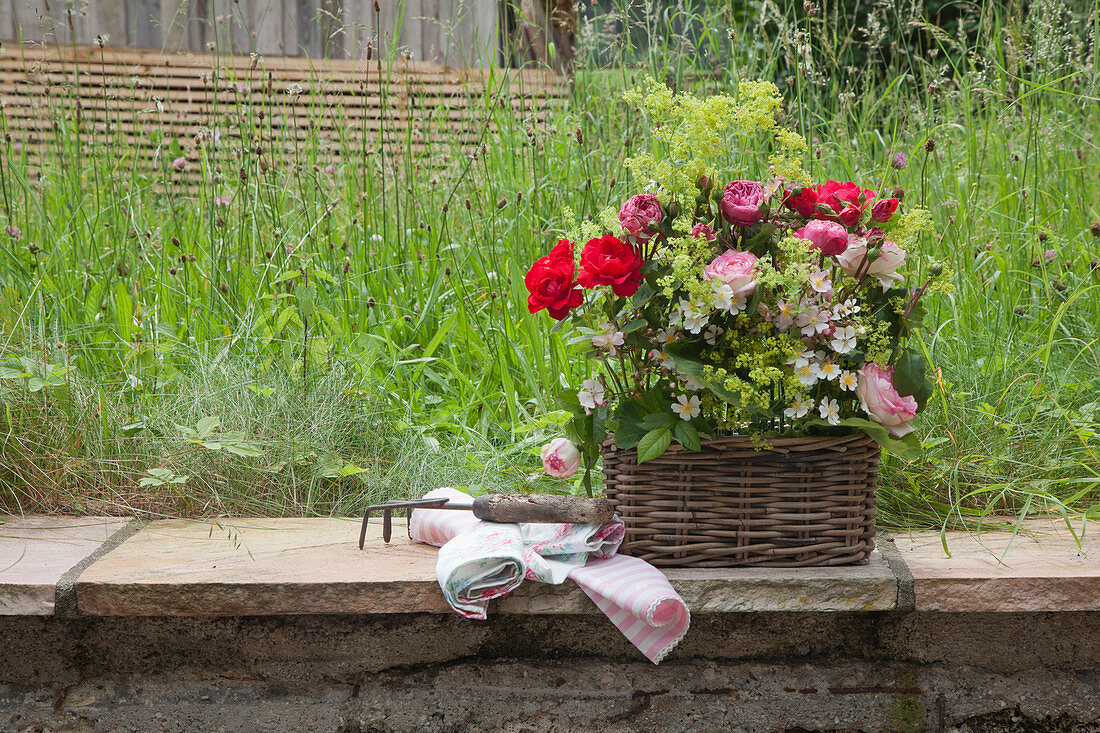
(730,297)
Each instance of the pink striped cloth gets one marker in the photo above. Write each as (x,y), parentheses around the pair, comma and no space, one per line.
(636,596)
(639,600)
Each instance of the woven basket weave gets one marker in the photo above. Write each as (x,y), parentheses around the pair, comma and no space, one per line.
(802,502)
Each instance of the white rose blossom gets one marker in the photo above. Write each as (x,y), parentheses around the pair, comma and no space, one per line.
(799,408)
(829,411)
(848,381)
(667,336)
(690,383)
(591,395)
(610,339)
(665,360)
(813,321)
(686,408)
(726,299)
(821,282)
(844,339)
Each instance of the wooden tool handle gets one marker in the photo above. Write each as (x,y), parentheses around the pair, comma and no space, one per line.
(542,509)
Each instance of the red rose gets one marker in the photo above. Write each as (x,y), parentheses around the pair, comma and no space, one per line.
(843,202)
(611,261)
(551,284)
(850,215)
(884,209)
(804,202)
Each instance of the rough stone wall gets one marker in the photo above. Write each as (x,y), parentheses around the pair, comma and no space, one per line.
(735,672)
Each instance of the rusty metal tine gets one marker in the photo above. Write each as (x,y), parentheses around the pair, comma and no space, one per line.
(363,529)
(387,514)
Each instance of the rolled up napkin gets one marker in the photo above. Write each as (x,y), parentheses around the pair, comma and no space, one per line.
(479,561)
(480,564)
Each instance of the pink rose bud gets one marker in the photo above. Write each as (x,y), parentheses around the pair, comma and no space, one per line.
(883,261)
(560,458)
(881,400)
(828,236)
(703,231)
(741,201)
(883,209)
(736,269)
(638,212)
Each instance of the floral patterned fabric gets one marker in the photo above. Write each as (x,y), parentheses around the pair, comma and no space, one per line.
(479,561)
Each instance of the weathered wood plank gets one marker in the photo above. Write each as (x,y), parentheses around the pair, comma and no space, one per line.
(308,35)
(430,37)
(486,28)
(331,23)
(7,20)
(408,28)
(142,23)
(135,102)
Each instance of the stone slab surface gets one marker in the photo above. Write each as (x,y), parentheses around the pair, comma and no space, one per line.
(1040,569)
(36,551)
(302,566)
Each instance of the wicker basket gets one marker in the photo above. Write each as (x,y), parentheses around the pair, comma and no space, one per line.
(802,502)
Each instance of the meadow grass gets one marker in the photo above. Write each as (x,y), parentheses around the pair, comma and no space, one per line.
(143,310)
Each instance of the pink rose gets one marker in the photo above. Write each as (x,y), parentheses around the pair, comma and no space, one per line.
(703,231)
(881,401)
(883,209)
(638,212)
(883,269)
(741,201)
(735,269)
(560,458)
(828,236)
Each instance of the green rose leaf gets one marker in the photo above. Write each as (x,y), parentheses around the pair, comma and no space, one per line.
(911,377)
(688,436)
(694,368)
(629,429)
(908,447)
(655,420)
(653,444)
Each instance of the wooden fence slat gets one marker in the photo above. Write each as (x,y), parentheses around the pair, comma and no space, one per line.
(448,32)
(7,19)
(145,105)
(143,23)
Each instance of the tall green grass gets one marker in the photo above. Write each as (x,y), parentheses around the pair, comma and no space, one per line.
(360,331)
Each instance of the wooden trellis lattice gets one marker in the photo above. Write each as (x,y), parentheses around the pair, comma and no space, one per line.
(150,109)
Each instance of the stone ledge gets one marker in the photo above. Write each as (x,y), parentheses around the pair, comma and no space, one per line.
(35,552)
(1043,569)
(308,566)
(313,566)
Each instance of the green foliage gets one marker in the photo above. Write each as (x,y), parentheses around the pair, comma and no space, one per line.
(419,363)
